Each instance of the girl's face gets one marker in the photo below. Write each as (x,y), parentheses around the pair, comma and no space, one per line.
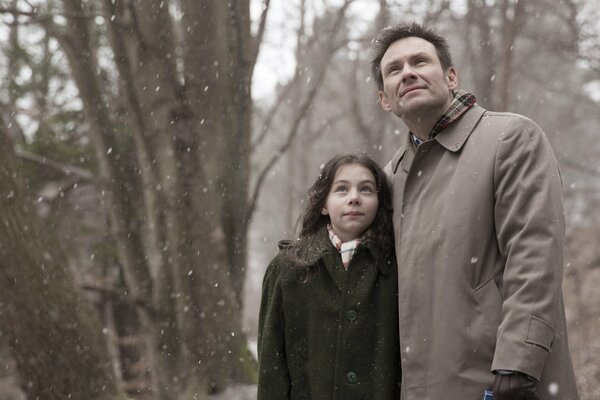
(352,201)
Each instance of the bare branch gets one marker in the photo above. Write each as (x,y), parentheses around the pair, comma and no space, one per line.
(355,108)
(433,15)
(261,31)
(272,112)
(48,16)
(290,86)
(66,169)
(571,19)
(307,103)
(314,134)
(118,295)
(578,167)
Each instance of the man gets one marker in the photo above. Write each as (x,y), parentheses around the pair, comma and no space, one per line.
(479,228)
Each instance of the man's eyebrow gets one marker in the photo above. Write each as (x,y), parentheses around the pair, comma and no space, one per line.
(390,64)
(394,63)
(420,54)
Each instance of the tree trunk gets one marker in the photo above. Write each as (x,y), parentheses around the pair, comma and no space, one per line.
(54,335)
(182,245)
(217,57)
(194,327)
(480,51)
(76,42)
(512,19)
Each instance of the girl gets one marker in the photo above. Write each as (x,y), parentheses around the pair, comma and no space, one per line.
(328,324)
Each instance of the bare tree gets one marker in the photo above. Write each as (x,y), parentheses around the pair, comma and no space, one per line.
(182,104)
(55,337)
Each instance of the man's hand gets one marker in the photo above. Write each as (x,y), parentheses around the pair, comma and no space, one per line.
(515,386)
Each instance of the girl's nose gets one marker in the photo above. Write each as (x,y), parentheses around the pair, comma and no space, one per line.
(354,197)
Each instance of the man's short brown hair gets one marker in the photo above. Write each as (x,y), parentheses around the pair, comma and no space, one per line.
(391,34)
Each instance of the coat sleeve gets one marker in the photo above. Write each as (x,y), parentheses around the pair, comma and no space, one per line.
(274,378)
(530,230)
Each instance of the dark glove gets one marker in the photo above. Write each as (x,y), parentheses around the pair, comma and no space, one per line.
(516,386)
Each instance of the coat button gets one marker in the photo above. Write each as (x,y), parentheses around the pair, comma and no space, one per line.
(352,378)
(351,315)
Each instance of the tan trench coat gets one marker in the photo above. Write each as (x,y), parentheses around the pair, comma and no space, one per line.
(479,230)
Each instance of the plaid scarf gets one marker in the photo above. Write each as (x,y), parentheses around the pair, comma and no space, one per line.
(346,249)
(462,102)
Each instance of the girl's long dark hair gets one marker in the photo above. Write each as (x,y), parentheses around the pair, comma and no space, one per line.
(381,231)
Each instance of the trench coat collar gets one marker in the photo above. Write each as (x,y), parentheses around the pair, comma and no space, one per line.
(451,138)
(456,134)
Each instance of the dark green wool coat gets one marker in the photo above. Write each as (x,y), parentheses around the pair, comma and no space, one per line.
(333,335)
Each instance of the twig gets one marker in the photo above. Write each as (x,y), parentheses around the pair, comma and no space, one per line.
(578,167)
(301,114)
(118,296)
(48,16)
(62,167)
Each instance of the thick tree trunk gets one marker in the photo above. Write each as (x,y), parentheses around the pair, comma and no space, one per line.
(193,290)
(216,54)
(54,335)
(110,160)
(183,246)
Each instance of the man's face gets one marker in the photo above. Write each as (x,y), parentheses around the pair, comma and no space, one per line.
(414,84)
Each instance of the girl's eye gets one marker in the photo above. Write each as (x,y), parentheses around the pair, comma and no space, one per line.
(340,188)
(367,189)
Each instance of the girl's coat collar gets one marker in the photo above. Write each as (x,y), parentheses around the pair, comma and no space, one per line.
(322,248)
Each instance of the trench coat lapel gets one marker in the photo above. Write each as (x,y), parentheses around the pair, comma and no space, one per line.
(456,134)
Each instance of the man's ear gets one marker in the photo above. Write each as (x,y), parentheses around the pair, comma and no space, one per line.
(324,211)
(452,78)
(383,100)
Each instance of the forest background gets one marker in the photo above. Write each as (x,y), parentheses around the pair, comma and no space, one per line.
(153,152)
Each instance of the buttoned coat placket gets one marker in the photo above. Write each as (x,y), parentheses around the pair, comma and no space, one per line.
(333,334)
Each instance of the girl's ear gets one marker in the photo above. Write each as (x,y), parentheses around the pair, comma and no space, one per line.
(324,211)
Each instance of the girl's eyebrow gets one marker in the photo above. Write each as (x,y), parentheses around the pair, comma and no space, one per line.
(360,182)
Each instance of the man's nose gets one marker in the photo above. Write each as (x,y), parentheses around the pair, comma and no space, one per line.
(408,73)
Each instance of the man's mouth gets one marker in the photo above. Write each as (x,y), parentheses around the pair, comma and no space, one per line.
(410,89)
